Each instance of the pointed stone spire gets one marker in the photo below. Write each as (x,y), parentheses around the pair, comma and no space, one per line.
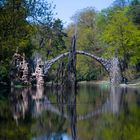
(19,72)
(25,71)
(39,73)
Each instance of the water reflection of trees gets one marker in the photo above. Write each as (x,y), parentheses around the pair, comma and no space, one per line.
(49,118)
(123,123)
(19,103)
(8,128)
(61,117)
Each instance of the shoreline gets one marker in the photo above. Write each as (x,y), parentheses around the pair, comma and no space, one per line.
(101,82)
(131,85)
(135,84)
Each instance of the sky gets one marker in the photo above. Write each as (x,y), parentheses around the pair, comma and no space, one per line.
(65,9)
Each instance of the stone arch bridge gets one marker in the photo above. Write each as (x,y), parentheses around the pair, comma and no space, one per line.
(111,65)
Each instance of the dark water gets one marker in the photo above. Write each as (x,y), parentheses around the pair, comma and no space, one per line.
(94,112)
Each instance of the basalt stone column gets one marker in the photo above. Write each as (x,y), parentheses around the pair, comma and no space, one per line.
(24,71)
(39,73)
(19,72)
(115,72)
(70,78)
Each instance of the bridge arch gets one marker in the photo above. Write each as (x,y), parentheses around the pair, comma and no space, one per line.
(110,65)
(104,62)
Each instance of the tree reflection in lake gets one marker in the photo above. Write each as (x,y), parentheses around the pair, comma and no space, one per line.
(92,113)
(19,102)
(125,124)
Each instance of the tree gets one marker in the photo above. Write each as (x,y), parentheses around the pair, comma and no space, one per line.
(134,11)
(40,12)
(15,31)
(135,2)
(120,3)
(122,35)
(49,36)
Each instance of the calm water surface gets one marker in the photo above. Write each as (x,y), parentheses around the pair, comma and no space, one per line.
(93,112)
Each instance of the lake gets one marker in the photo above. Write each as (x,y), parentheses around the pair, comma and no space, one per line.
(92,112)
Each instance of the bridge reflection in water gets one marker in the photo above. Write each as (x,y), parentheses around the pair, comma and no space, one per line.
(56,108)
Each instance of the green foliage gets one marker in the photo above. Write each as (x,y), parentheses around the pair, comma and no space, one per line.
(120,3)
(49,39)
(122,35)
(49,35)
(135,2)
(3,72)
(15,32)
(118,28)
(130,74)
(134,11)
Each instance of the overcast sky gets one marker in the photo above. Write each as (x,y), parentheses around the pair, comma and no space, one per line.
(66,8)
